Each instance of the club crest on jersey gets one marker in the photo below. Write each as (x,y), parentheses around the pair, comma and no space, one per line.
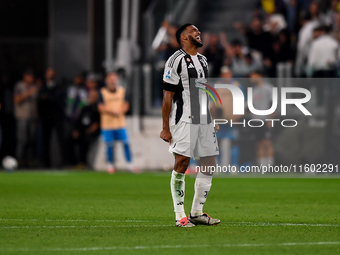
(168,75)
(188,59)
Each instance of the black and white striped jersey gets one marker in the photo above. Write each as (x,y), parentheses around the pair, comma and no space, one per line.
(180,72)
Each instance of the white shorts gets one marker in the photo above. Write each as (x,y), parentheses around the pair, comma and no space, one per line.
(194,140)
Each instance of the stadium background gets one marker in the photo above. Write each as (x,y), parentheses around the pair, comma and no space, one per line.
(89,38)
(58,210)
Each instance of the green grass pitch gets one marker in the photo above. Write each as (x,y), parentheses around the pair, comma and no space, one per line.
(96,213)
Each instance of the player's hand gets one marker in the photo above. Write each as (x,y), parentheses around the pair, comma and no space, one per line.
(165,24)
(166,135)
(216,127)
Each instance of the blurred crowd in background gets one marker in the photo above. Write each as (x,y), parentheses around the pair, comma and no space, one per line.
(302,34)
(42,106)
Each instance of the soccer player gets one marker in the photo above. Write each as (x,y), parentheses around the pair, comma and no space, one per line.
(188,132)
(112,107)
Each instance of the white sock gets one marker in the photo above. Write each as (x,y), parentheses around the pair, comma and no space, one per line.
(202,188)
(177,185)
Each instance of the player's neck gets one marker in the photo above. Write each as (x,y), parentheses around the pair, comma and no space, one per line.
(191,50)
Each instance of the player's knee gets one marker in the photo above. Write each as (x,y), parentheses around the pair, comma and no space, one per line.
(181,163)
(208,161)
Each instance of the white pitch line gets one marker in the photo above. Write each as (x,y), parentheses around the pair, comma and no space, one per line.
(225,224)
(100,220)
(83,226)
(168,225)
(264,224)
(75,220)
(174,246)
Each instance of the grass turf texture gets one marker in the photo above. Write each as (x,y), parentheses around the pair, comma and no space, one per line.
(97,213)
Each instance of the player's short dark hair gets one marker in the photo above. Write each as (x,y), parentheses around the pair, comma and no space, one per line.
(180,31)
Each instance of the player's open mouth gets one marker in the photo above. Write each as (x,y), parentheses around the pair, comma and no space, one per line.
(198,38)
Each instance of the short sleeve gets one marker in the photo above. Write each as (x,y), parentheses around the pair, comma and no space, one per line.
(170,75)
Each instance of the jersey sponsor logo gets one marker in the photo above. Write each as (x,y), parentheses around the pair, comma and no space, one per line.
(168,75)
(191,66)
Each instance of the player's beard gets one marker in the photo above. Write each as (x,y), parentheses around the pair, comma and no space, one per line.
(195,42)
